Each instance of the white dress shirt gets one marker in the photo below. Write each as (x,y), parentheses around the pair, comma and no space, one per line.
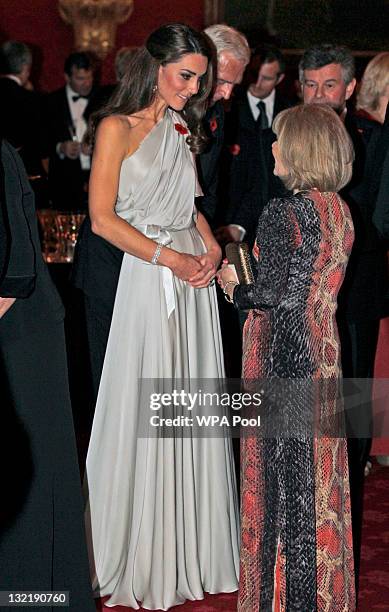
(269,105)
(78,129)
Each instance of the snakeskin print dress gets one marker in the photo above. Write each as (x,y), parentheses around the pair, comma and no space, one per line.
(296,550)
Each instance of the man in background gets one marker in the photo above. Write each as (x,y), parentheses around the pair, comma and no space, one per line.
(232,55)
(20,120)
(248,180)
(69,162)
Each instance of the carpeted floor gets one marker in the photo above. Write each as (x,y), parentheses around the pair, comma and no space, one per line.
(374,587)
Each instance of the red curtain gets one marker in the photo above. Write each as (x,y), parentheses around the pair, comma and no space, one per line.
(39,25)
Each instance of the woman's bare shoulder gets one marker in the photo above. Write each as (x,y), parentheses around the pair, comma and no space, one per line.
(114,123)
(114,134)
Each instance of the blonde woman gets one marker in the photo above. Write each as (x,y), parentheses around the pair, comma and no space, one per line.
(373,94)
(296,541)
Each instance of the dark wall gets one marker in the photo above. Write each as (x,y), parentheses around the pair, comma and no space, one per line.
(39,24)
(361,24)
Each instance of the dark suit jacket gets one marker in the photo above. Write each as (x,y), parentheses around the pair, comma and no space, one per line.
(208,162)
(25,274)
(362,295)
(5,241)
(96,269)
(67,180)
(21,123)
(248,166)
(379,191)
(99,99)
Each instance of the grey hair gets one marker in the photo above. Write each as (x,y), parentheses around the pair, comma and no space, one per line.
(230,40)
(14,55)
(322,55)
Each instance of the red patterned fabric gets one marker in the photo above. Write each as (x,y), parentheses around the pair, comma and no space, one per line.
(374,580)
(296,551)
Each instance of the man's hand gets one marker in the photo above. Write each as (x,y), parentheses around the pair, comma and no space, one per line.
(228,233)
(5,304)
(70,148)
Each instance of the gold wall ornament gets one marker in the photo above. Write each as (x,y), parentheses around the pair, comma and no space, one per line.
(94,22)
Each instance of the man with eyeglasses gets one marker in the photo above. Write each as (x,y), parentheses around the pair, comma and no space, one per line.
(232,57)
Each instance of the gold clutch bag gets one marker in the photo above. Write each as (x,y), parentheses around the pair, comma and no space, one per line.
(238,254)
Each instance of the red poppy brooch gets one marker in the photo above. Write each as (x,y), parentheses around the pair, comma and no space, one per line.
(181,129)
(213,124)
(234,149)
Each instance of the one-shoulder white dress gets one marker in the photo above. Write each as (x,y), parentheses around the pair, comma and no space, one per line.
(162,513)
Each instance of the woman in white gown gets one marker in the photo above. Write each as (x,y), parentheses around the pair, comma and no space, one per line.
(162,512)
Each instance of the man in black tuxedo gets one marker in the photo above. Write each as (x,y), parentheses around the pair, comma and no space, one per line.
(42,539)
(69,162)
(97,262)
(20,119)
(327,77)
(248,163)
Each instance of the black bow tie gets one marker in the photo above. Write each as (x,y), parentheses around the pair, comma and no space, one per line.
(76,98)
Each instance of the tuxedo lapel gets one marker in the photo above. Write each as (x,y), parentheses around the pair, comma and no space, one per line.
(65,113)
(4,226)
(208,162)
(278,105)
(247,120)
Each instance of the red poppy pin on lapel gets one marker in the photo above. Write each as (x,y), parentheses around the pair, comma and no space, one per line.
(181,129)
(213,124)
(234,149)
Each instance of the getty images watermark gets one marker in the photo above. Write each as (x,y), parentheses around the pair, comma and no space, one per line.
(267,408)
(195,402)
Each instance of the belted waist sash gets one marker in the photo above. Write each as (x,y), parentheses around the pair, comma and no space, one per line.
(163,236)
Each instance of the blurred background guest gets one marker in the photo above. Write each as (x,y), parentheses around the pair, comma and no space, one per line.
(380,182)
(373,91)
(69,162)
(21,120)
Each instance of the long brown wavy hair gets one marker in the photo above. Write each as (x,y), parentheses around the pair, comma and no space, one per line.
(138,88)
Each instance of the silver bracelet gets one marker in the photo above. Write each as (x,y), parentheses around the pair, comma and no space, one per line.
(157,253)
(226,296)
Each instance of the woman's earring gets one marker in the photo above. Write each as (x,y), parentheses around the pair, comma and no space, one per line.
(155,89)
